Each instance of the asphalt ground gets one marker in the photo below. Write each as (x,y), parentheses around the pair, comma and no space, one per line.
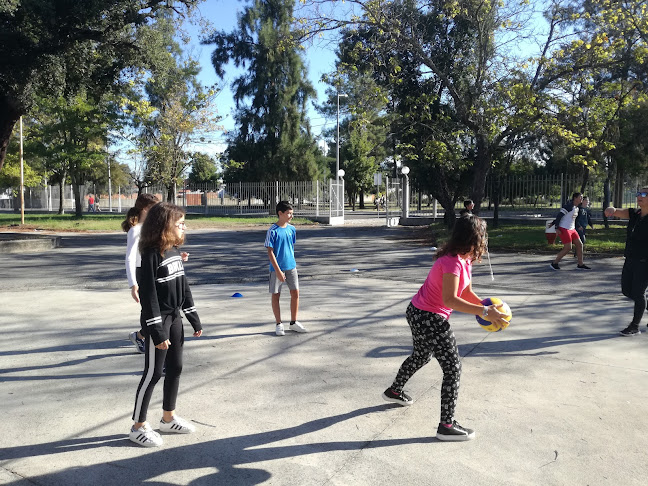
(557,398)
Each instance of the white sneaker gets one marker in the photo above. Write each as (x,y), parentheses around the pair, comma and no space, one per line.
(177,426)
(297,327)
(145,436)
(279,330)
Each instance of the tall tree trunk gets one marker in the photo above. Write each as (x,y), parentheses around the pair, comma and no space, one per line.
(10,113)
(617,194)
(496,200)
(362,196)
(480,171)
(61,194)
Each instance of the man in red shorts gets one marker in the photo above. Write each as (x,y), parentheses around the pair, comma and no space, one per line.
(566,229)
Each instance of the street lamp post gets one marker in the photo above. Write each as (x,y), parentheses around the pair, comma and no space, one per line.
(337,139)
(405,171)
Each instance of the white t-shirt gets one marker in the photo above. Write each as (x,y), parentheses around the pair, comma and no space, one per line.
(133,257)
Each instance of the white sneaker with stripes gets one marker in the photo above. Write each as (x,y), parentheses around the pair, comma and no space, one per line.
(145,436)
(177,426)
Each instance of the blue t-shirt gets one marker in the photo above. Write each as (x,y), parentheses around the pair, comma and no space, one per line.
(282,242)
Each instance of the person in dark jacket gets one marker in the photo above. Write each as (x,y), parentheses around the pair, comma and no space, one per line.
(164,293)
(634,276)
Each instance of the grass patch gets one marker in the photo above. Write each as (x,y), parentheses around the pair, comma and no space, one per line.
(112,222)
(531,238)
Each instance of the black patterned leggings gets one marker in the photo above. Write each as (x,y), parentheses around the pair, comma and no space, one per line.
(432,336)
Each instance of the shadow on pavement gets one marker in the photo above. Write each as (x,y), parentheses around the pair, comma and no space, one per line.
(227,456)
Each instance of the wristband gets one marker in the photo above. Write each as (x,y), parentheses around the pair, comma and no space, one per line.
(485,312)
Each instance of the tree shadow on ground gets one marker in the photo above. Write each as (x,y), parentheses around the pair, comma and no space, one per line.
(224,458)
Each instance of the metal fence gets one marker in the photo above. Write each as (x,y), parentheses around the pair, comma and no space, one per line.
(535,194)
(309,198)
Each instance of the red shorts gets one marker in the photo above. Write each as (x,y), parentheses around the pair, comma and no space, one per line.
(568,235)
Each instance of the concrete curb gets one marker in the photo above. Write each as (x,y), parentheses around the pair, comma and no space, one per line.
(22,243)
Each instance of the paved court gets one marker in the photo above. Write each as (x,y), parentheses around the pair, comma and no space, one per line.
(558,398)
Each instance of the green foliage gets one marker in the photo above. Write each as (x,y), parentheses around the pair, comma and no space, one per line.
(170,112)
(51,49)
(10,175)
(272,140)
(203,169)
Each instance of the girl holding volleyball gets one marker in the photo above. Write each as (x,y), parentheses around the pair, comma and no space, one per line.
(446,288)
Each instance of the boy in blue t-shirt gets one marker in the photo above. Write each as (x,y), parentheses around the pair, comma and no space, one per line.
(280,243)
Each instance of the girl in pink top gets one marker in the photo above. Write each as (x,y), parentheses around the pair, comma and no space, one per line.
(446,288)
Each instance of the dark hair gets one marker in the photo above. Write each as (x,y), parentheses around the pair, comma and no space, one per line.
(283,206)
(158,231)
(143,201)
(468,202)
(575,195)
(468,238)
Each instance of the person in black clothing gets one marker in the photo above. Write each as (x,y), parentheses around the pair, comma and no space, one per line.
(634,277)
(469,205)
(163,292)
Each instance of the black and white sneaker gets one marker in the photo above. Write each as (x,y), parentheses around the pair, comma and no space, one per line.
(145,436)
(631,330)
(454,432)
(177,426)
(583,267)
(401,398)
(554,266)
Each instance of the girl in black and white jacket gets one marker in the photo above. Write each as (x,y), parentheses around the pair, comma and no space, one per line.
(163,292)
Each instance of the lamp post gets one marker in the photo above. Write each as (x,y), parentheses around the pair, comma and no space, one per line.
(340,197)
(405,171)
(337,139)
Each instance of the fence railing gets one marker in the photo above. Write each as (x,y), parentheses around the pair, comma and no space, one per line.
(537,194)
(309,198)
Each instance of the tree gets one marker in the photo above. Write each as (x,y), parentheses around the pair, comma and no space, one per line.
(363,135)
(203,169)
(73,137)
(169,111)
(492,96)
(51,48)
(272,140)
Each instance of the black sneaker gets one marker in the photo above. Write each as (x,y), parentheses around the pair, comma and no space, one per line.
(631,330)
(583,267)
(555,266)
(454,433)
(401,398)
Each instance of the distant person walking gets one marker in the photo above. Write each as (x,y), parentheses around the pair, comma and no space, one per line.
(469,205)
(565,223)
(447,287)
(583,220)
(132,225)
(280,245)
(91,203)
(164,293)
(634,276)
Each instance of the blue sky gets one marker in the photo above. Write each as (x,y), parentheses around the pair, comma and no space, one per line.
(222,14)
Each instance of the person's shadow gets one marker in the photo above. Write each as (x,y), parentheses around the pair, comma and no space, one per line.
(220,461)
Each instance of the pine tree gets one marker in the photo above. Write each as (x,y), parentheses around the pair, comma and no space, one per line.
(272,140)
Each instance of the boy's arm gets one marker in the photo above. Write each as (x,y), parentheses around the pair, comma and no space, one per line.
(273,261)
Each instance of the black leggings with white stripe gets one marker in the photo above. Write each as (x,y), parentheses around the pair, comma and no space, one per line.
(154,361)
(432,336)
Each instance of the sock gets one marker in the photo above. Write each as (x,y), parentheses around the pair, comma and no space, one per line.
(292,323)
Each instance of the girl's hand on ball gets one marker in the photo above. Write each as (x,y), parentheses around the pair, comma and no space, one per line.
(496,316)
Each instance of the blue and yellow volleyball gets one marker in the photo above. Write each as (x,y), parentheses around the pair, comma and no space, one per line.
(485,322)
